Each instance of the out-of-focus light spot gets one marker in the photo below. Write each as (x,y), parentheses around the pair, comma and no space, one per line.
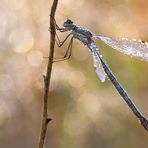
(6,82)
(38,83)
(15,4)
(58,73)
(35,58)
(54,80)
(76,79)
(26,96)
(66,4)
(82,54)
(3,112)
(90,105)
(75,122)
(8,109)
(3,25)
(21,40)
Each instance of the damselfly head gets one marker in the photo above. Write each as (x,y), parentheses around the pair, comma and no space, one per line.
(68,23)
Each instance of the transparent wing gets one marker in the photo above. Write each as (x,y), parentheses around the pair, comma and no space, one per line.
(132,47)
(98,67)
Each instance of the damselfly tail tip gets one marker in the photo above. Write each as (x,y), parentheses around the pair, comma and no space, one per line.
(144,123)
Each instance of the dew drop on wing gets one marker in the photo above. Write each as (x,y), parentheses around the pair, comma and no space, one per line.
(101,56)
(136,48)
(108,79)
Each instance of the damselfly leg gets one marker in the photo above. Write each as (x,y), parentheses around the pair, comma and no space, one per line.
(67,54)
(60,43)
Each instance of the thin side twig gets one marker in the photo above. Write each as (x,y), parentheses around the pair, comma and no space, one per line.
(45,119)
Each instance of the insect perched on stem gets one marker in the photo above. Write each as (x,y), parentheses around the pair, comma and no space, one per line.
(136,48)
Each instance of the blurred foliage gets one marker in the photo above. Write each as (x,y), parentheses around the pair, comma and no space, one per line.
(86,113)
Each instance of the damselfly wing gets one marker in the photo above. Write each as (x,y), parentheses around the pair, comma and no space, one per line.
(132,47)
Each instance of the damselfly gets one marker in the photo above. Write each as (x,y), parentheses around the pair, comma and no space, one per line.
(136,48)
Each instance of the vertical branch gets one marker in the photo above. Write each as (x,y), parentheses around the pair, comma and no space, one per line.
(47,77)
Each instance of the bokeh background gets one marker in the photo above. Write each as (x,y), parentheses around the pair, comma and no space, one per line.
(86,113)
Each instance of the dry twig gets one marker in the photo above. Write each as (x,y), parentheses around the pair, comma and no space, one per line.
(45,119)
